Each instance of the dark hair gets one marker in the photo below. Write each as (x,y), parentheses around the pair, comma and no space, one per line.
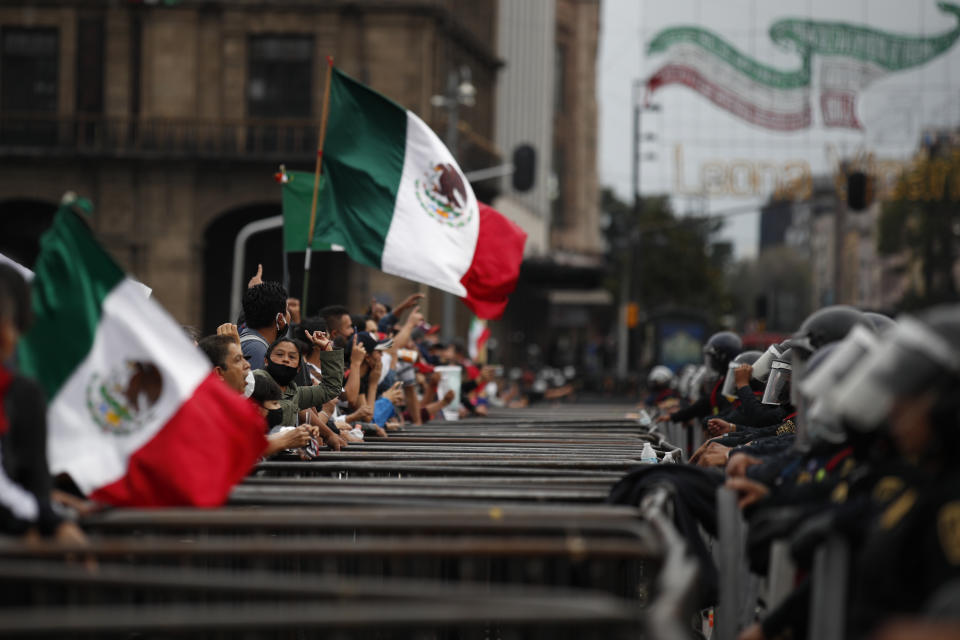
(359,321)
(278,341)
(385,306)
(216,348)
(314,324)
(305,347)
(333,312)
(299,331)
(192,332)
(262,303)
(15,298)
(264,389)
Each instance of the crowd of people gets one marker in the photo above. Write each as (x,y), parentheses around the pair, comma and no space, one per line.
(337,377)
(323,381)
(850,428)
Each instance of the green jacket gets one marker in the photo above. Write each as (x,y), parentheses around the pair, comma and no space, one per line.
(296,399)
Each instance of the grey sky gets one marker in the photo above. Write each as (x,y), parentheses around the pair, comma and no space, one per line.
(894,110)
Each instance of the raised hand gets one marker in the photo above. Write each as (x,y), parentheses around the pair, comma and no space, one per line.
(408,302)
(415,317)
(741,375)
(293,308)
(357,353)
(321,339)
(229,330)
(257,279)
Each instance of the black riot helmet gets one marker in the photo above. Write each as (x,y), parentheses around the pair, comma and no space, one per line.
(747,357)
(720,349)
(826,325)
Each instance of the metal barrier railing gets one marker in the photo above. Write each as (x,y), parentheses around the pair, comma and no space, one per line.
(110,602)
(504,509)
(669,612)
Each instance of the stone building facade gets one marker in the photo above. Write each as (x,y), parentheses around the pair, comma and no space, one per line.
(174,119)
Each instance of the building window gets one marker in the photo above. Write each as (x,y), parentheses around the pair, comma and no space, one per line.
(28,70)
(280,81)
(90,65)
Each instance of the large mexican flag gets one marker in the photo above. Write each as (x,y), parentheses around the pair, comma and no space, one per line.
(136,416)
(395,199)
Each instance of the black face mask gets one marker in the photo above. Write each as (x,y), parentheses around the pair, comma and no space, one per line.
(281,373)
(274,417)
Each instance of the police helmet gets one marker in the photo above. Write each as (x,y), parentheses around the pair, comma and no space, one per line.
(747,357)
(660,378)
(720,349)
(918,355)
(825,326)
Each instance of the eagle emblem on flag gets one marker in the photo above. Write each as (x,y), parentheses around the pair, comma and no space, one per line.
(443,195)
(121,401)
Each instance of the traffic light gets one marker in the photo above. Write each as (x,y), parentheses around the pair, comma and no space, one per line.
(524,167)
(859,191)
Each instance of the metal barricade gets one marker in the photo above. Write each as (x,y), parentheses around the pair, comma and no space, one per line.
(831,564)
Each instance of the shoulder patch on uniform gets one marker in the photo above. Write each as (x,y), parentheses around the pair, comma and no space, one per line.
(886,488)
(786,427)
(948,528)
(840,492)
(898,508)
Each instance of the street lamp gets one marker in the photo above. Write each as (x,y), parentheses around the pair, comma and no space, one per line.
(623,333)
(460,91)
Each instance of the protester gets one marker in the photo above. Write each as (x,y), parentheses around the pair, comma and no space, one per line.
(281,364)
(266,316)
(25,482)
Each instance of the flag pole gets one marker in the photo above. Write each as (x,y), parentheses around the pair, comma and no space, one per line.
(316,184)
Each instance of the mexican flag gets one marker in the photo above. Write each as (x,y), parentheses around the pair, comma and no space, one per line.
(394,198)
(136,417)
(477,339)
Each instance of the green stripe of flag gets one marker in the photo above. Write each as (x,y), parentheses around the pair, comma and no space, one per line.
(73,276)
(362,164)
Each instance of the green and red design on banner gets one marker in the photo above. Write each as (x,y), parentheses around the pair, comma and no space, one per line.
(848,58)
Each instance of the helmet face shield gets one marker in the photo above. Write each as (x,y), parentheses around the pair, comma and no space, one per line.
(729,384)
(822,425)
(820,382)
(777,391)
(910,358)
(761,368)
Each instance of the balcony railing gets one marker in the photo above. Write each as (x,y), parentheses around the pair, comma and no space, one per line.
(253,139)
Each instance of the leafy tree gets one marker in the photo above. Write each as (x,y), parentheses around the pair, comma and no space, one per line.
(670,257)
(923,219)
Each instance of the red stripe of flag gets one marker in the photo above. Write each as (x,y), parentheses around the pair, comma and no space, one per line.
(493,274)
(208,446)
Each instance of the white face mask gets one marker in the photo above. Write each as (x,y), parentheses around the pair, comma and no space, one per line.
(251,383)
